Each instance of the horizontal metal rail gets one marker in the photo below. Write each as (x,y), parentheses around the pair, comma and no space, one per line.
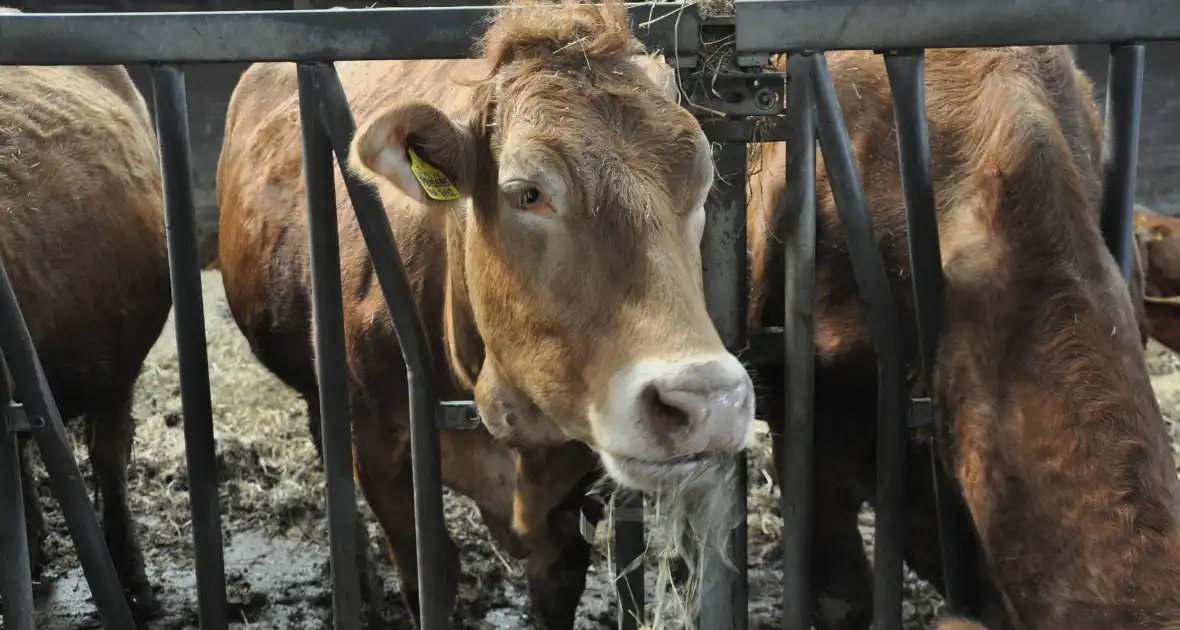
(770,26)
(55,39)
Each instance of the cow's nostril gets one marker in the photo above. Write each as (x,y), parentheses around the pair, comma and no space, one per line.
(665,417)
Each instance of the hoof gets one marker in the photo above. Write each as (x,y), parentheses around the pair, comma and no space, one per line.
(143,602)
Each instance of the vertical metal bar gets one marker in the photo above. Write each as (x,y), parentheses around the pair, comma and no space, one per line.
(16,588)
(200,446)
(629,546)
(797,459)
(411,336)
(885,329)
(33,391)
(1124,104)
(723,256)
(907,74)
(331,361)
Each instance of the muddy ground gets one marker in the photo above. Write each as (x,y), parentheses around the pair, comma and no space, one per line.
(273,515)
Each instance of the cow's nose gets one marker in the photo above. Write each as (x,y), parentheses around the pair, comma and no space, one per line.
(711,401)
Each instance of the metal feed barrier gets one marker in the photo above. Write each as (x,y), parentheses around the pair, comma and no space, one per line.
(804,28)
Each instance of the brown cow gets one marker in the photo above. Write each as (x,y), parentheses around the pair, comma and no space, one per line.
(563,286)
(1157,238)
(1058,442)
(83,241)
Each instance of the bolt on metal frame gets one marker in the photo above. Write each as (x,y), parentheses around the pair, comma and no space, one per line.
(804,28)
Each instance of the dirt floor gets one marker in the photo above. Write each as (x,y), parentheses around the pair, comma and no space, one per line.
(273,511)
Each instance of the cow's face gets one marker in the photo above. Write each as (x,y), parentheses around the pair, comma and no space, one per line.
(583,186)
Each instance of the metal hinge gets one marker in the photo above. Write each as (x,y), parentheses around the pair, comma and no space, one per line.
(921,413)
(458,415)
(19,421)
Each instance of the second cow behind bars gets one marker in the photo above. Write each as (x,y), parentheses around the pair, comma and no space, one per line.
(1057,440)
(554,252)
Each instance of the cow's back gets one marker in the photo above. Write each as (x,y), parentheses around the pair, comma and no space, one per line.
(263,233)
(862,87)
(83,229)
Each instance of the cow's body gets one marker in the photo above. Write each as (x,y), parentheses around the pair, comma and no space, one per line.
(82,238)
(266,271)
(501,281)
(1057,440)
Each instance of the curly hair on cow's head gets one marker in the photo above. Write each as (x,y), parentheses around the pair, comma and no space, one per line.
(572,29)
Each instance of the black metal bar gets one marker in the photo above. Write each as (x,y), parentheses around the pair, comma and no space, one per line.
(415,345)
(629,547)
(907,74)
(331,375)
(885,329)
(200,446)
(1124,104)
(723,258)
(328,35)
(797,458)
(772,26)
(66,480)
(16,587)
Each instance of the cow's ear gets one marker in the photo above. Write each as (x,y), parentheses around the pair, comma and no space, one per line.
(660,73)
(417,148)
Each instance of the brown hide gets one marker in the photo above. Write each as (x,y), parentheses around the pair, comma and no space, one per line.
(82,239)
(568,273)
(1057,439)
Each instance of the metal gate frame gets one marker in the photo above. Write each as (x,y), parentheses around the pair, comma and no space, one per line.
(901,29)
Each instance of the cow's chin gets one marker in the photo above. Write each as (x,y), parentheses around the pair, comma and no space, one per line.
(690,472)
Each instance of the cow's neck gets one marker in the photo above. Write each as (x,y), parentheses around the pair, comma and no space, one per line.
(1060,445)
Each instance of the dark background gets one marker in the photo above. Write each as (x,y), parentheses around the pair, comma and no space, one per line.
(209,87)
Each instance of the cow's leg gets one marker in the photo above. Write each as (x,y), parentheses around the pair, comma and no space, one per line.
(372,592)
(531,502)
(923,551)
(550,499)
(111,433)
(34,516)
(383,470)
(555,564)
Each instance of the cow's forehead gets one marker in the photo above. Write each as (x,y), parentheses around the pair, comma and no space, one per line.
(621,143)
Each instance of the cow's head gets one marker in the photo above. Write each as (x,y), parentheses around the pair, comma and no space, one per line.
(1158,239)
(1157,244)
(582,186)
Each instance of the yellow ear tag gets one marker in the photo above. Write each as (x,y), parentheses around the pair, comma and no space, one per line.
(1159,236)
(436,185)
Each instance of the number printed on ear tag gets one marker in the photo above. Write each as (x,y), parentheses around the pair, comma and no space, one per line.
(436,185)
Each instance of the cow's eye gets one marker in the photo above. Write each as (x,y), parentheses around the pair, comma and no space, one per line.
(526,196)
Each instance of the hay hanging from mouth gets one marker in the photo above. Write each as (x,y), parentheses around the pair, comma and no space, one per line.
(691,522)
